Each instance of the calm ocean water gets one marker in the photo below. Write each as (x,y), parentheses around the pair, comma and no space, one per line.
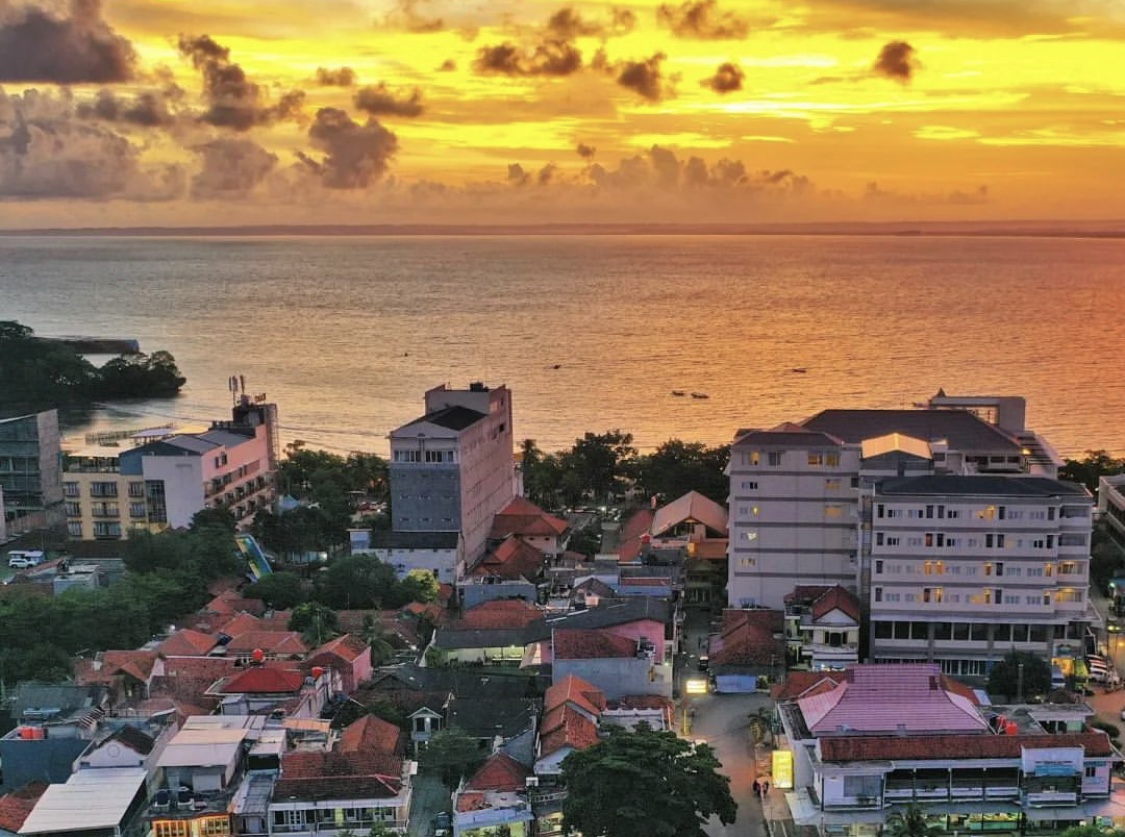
(347,333)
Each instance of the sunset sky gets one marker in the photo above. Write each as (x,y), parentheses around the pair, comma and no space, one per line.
(138,112)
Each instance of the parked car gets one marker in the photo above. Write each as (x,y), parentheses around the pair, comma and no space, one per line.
(22,559)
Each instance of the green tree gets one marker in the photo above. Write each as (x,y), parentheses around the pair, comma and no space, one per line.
(358,582)
(420,586)
(600,460)
(542,475)
(1091,831)
(377,638)
(280,590)
(1087,470)
(1020,667)
(613,786)
(911,821)
(315,622)
(677,467)
(451,754)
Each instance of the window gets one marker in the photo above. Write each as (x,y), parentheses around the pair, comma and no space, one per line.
(749,485)
(999,567)
(752,458)
(878,594)
(832,460)
(70,489)
(172,828)
(136,489)
(987,513)
(157,503)
(107,530)
(439,456)
(73,510)
(879,537)
(1091,771)
(941,511)
(408,456)
(1050,512)
(998,596)
(833,510)
(1000,512)
(816,459)
(221,460)
(953,514)
(929,539)
(893,541)
(879,510)
(74,529)
(879,567)
(136,510)
(774,460)
(103,489)
(929,512)
(832,484)
(1069,596)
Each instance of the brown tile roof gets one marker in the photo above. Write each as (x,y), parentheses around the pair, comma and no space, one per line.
(836,598)
(498,614)
(347,647)
(579,644)
(806,594)
(573,689)
(638,524)
(748,639)
(512,559)
(711,549)
(264,681)
(500,772)
(522,517)
(16,805)
(187,643)
(320,775)
(239,623)
(371,734)
(565,726)
(919,747)
(230,602)
(805,683)
(271,642)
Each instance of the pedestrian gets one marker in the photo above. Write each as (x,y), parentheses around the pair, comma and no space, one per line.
(757,787)
(765,788)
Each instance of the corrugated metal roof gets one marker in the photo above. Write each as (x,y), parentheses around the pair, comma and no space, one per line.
(90,799)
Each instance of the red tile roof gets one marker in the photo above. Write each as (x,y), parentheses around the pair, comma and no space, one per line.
(264,681)
(334,774)
(187,643)
(271,642)
(522,517)
(638,524)
(347,647)
(836,598)
(573,689)
(806,594)
(748,639)
(919,747)
(498,614)
(579,644)
(565,726)
(711,549)
(239,624)
(229,602)
(804,683)
(371,734)
(15,806)
(500,773)
(512,559)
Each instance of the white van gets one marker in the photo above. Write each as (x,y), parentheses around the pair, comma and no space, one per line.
(22,559)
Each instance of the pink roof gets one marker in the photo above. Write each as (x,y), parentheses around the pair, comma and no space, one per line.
(908,698)
(265,681)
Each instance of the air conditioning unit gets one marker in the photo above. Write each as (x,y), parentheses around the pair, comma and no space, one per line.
(532,781)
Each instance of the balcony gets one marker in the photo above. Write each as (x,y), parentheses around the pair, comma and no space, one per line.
(331,828)
(1052,798)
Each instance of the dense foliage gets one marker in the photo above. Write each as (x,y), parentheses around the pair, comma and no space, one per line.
(1004,678)
(1095,464)
(40,374)
(611,786)
(450,754)
(911,821)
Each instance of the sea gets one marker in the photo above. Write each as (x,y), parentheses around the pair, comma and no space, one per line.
(592,333)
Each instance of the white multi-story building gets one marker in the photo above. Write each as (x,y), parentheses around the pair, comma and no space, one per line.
(965,569)
(452,469)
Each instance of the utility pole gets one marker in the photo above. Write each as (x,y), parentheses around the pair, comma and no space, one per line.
(1019,683)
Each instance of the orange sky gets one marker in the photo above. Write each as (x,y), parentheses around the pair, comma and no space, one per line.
(512,111)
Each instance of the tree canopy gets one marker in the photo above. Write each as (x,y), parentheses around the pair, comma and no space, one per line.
(1004,678)
(39,374)
(451,754)
(677,467)
(911,821)
(1087,470)
(645,783)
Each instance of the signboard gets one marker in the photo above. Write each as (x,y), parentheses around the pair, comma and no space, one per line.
(783,769)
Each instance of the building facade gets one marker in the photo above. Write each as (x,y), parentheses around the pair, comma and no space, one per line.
(30,472)
(452,469)
(966,568)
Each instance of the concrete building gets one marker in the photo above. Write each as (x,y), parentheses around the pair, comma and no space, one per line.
(1111,506)
(966,568)
(30,473)
(863,745)
(162,483)
(452,469)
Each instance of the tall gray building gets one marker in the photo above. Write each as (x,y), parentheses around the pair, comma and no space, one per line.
(31,472)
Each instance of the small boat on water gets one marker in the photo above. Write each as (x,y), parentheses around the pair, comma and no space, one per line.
(800,370)
(679,393)
(700,395)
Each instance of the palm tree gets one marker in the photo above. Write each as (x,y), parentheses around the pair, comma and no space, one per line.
(911,822)
(375,636)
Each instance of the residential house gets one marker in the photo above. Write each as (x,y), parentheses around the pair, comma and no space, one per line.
(648,620)
(615,664)
(492,632)
(30,480)
(572,709)
(91,803)
(16,805)
(881,737)
(822,627)
(330,792)
(748,650)
(371,734)
(289,692)
(494,800)
(510,570)
(523,520)
(348,655)
(452,469)
(127,675)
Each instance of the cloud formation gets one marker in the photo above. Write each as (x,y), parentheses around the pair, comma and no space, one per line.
(407,17)
(233,100)
(38,43)
(727,78)
(586,152)
(149,109)
(552,57)
(338,77)
(897,60)
(379,100)
(232,168)
(567,24)
(702,20)
(355,155)
(646,78)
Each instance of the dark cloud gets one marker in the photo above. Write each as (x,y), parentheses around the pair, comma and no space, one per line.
(232,167)
(661,169)
(379,100)
(517,176)
(233,100)
(552,57)
(355,155)
(148,110)
(41,44)
(48,151)
(646,78)
(702,20)
(876,193)
(406,16)
(897,60)
(586,152)
(727,79)
(339,77)
(546,174)
(447,66)
(566,24)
